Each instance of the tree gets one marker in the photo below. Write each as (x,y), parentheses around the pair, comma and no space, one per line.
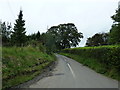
(5,33)
(115,30)
(18,35)
(50,43)
(38,36)
(34,39)
(65,35)
(98,40)
(43,38)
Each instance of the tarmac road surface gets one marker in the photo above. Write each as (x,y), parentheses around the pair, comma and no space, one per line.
(70,74)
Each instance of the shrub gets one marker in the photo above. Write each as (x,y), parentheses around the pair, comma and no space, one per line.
(107,55)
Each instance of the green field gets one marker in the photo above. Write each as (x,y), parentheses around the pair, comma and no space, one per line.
(103,59)
(20,64)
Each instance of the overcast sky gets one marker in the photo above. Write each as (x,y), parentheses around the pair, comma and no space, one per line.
(89,16)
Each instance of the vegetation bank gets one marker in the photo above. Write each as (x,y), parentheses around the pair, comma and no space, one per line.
(20,64)
(103,59)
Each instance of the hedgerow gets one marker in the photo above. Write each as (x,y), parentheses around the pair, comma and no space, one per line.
(107,55)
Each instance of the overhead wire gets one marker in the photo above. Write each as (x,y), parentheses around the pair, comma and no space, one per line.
(10,8)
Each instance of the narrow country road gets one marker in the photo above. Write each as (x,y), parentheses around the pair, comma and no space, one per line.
(71,74)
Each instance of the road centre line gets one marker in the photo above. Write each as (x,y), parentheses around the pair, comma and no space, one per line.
(71,70)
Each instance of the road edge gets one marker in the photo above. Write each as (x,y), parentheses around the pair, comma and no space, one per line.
(45,72)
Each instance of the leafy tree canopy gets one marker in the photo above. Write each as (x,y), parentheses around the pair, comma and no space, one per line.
(97,39)
(65,35)
(5,32)
(115,30)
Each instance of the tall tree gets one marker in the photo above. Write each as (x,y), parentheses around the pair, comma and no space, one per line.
(115,30)
(65,35)
(34,39)
(38,36)
(5,32)
(18,35)
(43,38)
(97,39)
(50,43)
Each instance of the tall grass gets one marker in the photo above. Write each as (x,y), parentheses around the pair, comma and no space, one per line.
(20,64)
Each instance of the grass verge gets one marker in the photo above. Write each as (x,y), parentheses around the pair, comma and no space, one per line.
(95,65)
(20,64)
